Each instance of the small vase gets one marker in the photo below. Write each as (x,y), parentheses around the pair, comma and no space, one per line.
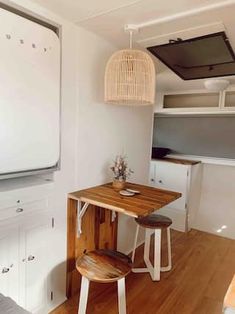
(119,184)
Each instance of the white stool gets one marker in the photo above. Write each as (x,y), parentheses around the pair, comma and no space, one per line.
(156,222)
(103,266)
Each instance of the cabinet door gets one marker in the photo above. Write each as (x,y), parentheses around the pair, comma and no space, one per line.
(35,252)
(173,177)
(152,173)
(9,261)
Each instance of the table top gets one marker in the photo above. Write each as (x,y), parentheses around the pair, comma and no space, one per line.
(185,162)
(143,204)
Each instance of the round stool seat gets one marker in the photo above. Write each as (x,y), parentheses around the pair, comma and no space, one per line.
(154,221)
(104,265)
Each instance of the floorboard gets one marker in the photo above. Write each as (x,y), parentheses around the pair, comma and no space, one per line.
(203,267)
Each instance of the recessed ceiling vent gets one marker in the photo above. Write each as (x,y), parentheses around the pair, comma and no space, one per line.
(197,58)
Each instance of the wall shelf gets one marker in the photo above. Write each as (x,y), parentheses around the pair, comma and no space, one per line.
(196,102)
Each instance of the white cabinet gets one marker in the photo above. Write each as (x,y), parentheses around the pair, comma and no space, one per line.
(9,261)
(196,101)
(181,176)
(35,248)
(26,232)
(174,177)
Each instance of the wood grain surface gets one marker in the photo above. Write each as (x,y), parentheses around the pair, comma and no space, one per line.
(149,199)
(104,265)
(179,161)
(98,232)
(229,301)
(203,267)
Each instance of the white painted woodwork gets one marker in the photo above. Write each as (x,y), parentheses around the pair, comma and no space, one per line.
(185,179)
(26,245)
(154,269)
(183,102)
(168,17)
(83,295)
(173,177)
(35,260)
(22,208)
(9,261)
(121,296)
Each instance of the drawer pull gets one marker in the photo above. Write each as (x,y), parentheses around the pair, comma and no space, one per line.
(5,270)
(31,258)
(19,210)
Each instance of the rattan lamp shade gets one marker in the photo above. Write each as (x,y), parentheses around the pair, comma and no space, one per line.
(130,78)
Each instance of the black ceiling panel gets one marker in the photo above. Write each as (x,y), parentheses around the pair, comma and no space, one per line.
(201,57)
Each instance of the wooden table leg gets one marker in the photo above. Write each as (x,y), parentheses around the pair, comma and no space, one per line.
(71,242)
(98,231)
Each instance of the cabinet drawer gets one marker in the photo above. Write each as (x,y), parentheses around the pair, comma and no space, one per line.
(22,209)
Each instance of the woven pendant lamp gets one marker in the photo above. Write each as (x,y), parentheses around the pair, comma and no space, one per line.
(130,78)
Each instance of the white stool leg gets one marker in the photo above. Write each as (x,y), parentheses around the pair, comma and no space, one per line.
(148,233)
(157,255)
(121,296)
(169,266)
(135,243)
(83,296)
(147,269)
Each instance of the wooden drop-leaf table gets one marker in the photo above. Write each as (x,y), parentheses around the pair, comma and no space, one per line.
(92,219)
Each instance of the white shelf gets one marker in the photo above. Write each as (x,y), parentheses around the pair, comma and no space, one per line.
(219,108)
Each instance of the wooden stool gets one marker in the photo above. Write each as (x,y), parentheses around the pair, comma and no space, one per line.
(103,266)
(156,222)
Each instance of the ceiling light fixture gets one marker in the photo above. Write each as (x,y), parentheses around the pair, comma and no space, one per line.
(216,85)
(130,76)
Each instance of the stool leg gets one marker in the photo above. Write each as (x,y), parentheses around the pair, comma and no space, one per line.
(147,269)
(135,243)
(157,254)
(169,266)
(121,296)
(147,245)
(83,296)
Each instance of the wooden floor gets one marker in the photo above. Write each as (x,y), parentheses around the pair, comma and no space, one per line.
(203,266)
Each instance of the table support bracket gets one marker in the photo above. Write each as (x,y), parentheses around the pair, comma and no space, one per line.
(81,212)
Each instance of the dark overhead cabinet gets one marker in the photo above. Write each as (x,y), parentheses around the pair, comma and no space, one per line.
(196,58)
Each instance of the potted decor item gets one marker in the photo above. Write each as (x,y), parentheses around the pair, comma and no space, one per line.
(121,172)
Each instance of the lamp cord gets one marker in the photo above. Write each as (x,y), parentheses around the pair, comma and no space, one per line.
(131,39)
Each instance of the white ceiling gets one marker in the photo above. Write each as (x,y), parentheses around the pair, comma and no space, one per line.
(108,17)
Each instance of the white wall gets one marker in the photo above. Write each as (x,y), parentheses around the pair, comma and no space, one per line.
(217,204)
(105,130)
(92,132)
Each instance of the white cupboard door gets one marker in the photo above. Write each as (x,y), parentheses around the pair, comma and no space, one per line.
(36,236)
(173,177)
(152,174)
(9,262)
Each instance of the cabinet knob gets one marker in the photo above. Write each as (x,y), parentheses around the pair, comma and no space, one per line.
(19,210)
(152,180)
(31,258)
(160,181)
(5,270)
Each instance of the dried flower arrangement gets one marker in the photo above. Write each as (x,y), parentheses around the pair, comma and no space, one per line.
(120,168)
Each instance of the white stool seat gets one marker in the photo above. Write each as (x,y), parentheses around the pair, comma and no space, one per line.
(156,222)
